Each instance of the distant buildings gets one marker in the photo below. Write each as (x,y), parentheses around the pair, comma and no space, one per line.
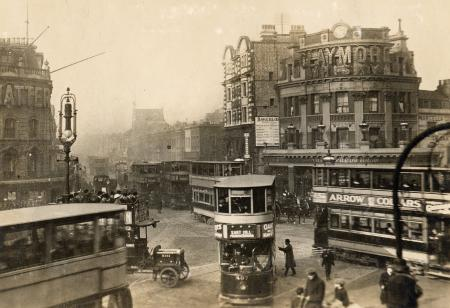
(28,148)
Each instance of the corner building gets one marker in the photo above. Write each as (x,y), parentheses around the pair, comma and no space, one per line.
(350,90)
(28,149)
(342,77)
(250,75)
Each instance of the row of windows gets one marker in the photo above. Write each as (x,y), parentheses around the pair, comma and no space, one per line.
(342,104)
(245,201)
(24,247)
(412,230)
(10,128)
(202,196)
(215,169)
(239,115)
(434,104)
(437,181)
(239,90)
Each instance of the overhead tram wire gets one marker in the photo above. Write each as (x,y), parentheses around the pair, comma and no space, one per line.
(31,44)
(71,64)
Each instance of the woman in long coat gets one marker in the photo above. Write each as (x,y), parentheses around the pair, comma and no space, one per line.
(289,255)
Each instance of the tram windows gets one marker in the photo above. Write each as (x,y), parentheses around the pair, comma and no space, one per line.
(383,226)
(245,257)
(259,202)
(339,177)
(345,222)
(21,248)
(109,234)
(413,231)
(241,204)
(383,179)
(360,178)
(71,240)
(441,182)
(362,224)
(269,199)
(411,181)
(334,221)
(223,200)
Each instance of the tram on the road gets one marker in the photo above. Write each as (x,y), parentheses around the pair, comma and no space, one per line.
(145,178)
(65,255)
(355,214)
(175,189)
(244,228)
(204,174)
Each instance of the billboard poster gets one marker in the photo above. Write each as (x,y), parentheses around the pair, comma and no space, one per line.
(267,131)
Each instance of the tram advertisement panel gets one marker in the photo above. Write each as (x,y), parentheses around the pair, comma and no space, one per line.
(364,200)
(244,231)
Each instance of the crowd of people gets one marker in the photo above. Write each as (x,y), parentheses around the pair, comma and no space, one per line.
(398,287)
(89,196)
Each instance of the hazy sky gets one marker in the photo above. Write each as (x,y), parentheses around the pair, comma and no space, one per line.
(169,53)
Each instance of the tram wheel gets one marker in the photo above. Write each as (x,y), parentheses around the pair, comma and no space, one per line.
(169,277)
(184,272)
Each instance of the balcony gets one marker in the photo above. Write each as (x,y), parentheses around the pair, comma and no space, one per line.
(26,72)
(342,117)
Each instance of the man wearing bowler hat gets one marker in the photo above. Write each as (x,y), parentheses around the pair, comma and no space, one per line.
(289,254)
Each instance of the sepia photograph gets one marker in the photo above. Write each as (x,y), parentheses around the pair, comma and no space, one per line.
(224,153)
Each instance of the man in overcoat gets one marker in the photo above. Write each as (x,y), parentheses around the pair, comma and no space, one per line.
(402,288)
(289,255)
(327,262)
(314,290)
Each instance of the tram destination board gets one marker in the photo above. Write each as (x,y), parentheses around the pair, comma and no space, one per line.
(244,231)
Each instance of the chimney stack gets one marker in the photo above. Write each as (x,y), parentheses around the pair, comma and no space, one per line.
(268,32)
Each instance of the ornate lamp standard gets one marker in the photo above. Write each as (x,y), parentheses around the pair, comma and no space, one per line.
(69,135)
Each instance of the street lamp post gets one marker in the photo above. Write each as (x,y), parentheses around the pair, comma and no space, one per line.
(69,135)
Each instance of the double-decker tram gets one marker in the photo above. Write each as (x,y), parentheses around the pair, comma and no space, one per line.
(65,255)
(244,227)
(204,174)
(175,189)
(104,183)
(355,214)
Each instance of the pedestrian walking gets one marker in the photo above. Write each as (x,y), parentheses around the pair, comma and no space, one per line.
(340,294)
(289,255)
(314,290)
(299,299)
(402,288)
(383,282)
(328,262)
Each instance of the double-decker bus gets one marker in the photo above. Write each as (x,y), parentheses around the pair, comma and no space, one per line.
(204,175)
(355,214)
(145,178)
(65,255)
(175,189)
(244,227)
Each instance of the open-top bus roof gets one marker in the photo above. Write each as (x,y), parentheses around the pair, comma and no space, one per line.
(249,180)
(53,212)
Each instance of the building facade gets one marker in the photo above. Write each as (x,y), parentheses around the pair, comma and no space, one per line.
(350,92)
(28,149)
(251,70)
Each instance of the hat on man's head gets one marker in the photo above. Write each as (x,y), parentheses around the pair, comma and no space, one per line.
(287,240)
(311,271)
(116,196)
(399,265)
(339,281)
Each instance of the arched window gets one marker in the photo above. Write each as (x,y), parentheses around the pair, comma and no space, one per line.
(33,128)
(9,162)
(10,128)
